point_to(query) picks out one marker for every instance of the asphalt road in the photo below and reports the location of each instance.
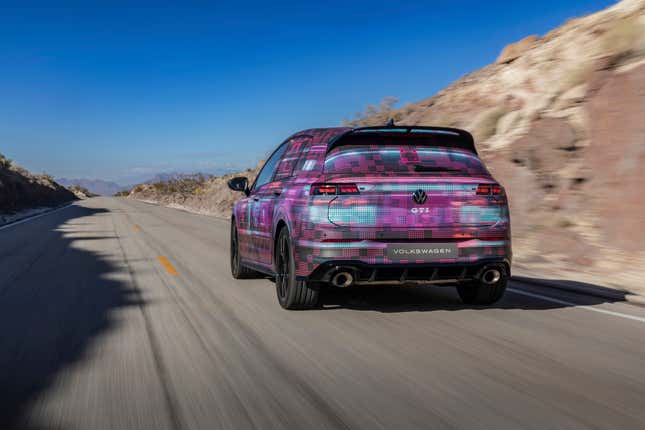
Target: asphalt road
(98, 332)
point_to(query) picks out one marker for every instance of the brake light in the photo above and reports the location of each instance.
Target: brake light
(483, 189)
(489, 189)
(333, 189)
(348, 189)
(323, 189)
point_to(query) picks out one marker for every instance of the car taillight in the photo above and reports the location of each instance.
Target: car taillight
(323, 189)
(347, 189)
(333, 189)
(489, 189)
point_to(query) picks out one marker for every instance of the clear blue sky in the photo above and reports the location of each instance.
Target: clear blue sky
(120, 93)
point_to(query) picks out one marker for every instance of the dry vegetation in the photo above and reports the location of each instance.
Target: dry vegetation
(19, 189)
(5, 163)
(206, 195)
(383, 112)
(185, 186)
(81, 192)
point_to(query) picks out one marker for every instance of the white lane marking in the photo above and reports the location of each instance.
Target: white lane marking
(583, 307)
(31, 218)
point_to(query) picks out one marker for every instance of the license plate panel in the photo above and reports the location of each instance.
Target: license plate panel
(422, 251)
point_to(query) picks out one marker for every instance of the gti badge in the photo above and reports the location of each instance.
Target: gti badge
(419, 196)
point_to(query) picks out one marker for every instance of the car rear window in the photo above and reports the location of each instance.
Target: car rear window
(391, 160)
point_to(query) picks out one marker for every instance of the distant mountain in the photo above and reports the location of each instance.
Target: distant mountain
(95, 186)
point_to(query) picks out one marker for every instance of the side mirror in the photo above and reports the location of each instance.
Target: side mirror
(239, 183)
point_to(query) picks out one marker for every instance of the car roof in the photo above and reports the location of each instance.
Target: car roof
(451, 137)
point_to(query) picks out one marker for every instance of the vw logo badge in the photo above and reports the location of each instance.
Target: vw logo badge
(419, 196)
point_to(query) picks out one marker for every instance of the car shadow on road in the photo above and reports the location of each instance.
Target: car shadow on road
(50, 317)
(393, 299)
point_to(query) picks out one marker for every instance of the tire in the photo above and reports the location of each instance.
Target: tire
(292, 293)
(238, 270)
(478, 293)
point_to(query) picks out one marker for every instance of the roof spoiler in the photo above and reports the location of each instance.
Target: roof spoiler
(436, 136)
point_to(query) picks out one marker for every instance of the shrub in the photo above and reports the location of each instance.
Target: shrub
(5, 163)
(82, 190)
(374, 115)
(185, 185)
(387, 103)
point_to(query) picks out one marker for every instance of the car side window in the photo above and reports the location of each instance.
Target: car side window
(294, 151)
(265, 175)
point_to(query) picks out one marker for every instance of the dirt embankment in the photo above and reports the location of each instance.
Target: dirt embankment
(21, 190)
(208, 196)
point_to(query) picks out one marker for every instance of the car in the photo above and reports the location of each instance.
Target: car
(384, 205)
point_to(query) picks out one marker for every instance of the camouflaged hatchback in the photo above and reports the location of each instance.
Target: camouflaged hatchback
(391, 205)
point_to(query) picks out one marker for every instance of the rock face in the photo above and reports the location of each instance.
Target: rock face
(616, 156)
(560, 121)
(515, 50)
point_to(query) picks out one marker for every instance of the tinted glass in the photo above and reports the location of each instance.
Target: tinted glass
(394, 160)
(287, 163)
(266, 173)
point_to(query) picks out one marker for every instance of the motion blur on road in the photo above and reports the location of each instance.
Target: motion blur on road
(121, 312)
(117, 314)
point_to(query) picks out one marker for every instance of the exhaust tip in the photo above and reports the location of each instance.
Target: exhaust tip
(491, 276)
(342, 279)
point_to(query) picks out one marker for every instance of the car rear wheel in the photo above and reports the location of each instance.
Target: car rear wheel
(292, 293)
(238, 270)
(480, 293)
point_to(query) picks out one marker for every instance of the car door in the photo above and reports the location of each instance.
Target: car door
(260, 209)
(269, 195)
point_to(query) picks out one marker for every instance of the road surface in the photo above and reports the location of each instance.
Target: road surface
(117, 314)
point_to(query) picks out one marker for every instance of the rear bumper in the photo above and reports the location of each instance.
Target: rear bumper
(314, 259)
(426, 273)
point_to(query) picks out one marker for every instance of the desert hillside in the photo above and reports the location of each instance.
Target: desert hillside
(560, 121)
(20, 190)
(195, 193)
(81, 192)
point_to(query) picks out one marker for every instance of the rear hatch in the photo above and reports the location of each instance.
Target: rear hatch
(401, 189)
